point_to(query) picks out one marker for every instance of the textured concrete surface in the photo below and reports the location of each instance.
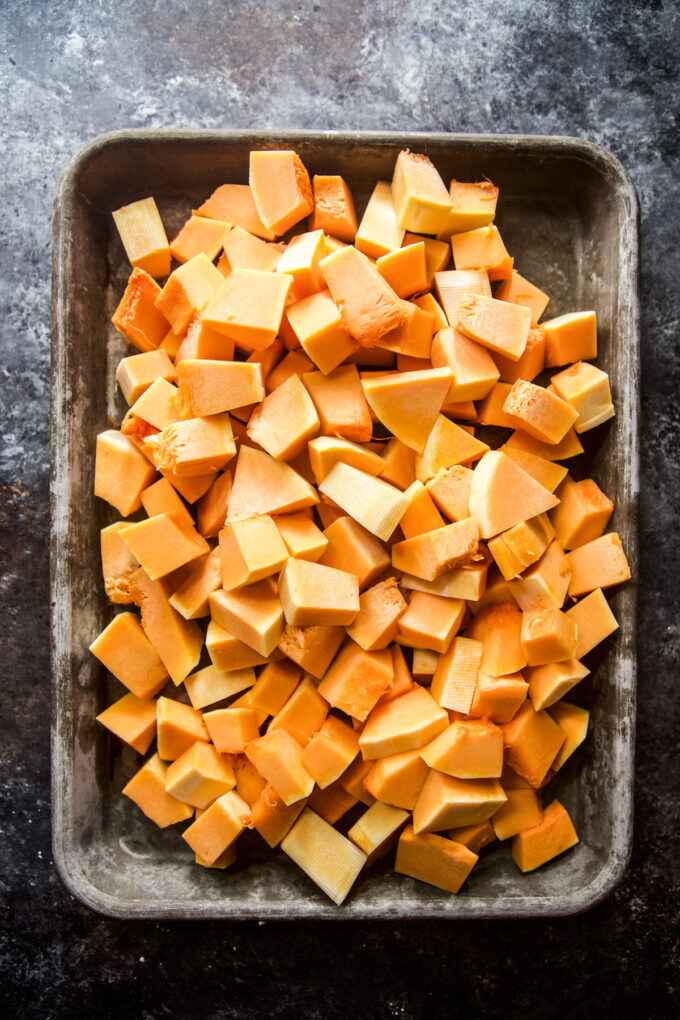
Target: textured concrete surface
(603, 70)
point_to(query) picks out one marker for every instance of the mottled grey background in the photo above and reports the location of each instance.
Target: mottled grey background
(603, 70)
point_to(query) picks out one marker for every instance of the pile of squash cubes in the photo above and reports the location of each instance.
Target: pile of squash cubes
(348, 603)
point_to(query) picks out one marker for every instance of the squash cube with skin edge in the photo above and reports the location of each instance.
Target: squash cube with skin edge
(432, 553)
(285, 420)
(326, 856)
(178, 727)
(143, 235)
(532, 741)
(121, 472)
(126, 651)
(473, 206)
(586, 390)
(377, 830)
(448, 444)
(248, 307)
(187, 290)
(597, 564)
(118, 564)
(434, 859)
(317, 323)
(446, 802)
(211, 387)
(135, 374)
(380, 608)
(594, 621)
(369, 307)
(498, 697)
(482, 249)
(219, 825)
(199, 234)
(539, 412)
(431, 621)
(398, 779)
(164, 543)
(263, 485)
(407, 403)
(498, 325)
(303, 714)
(330, 752)
(199, 776)
(406, 723)
(147, 790)
(211, 684)
(311, 648)
(333, 207)
(132, 719)
(278, 758)
(467, 749)
(280, 187)
(570, 338)
(177, 641)
(551, 681)
(137, 317)
(522, 810)
(502, 495)
(250, 550)
(231, 729)
(193, 447)
(573, 721)
(474, 370)
(553, 835)
(421, 200)
(253, 614)
(373, 503)
(455, 675)
(548, 636)
(312, 593)
(272, 818)
(378, 232)
(356, 680)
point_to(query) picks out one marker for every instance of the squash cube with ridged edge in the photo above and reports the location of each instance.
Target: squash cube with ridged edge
(143, 235)
(324, 854)
(377, 830)
(455, 675)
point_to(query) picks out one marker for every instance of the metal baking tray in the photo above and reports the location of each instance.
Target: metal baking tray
(568, 212)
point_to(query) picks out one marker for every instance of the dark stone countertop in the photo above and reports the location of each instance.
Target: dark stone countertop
(603, 70)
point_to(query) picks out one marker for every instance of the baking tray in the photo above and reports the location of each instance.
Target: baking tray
(568, 212)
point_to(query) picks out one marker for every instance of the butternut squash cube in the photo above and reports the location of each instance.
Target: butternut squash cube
(163, 543)
(227, 652)
(428, 304)
(143, 235)
(473, 206)
(455, 676)
(421, 515)
(234, 203)
(454, 286)
(517, 548)
(231, 729)
(499, 628)
(312, 648)
(594, 621)
(380, 607)
(193, 447)
(274, 685)
(530, 364)
(356, 679)
(583, 513)
(301, 537)
(210, 387)
(474, 371)
(431, 621)
(467, 749)
(135, 374)
(368, 305)
(546, 582)
(327, 857)
(545, 472)
(301, 261)
(333, 207)
(317, 324)
(161, 498)
(474, 837)
(263, 485)
(586, 390)
(303, 714)
(448, 444)
(421, 201)
(272, 818)
(550, 682)
(118, 564)
(570, 446)
(126, 651)
(519, 291)
(532, 741)
(407, 403)
(403, 724)
(498, 325)
(280, 188)
(199, 234)
(139, 320)
(211, 684)
(405, 269)
(326, 451)
(278, 758)
(199, 776)
(187, 290)
(548, 636)
(245, 251)
(248, 306)
(330, 751)
(178, 727)
(482, 249)
(315, 594)
(340, 403)
(285, 420)
(553, 835)
(190, 599)
(430, 554)
(190, 487)
(502, 495)
(399, 464)
(424, 665)
(597, 564)
(177, 641)
(570, 338)
(217, 828)
(445, 802)
(121, 472)
(204, 343)
(253, 614)
(498, 697)
(397, 780)
(412, 337)
(450, 491)
(573, 721)
(147, 790)
(434, 859)
(377, 830)
(539, 412)
(378, 232)
(250, 550)
(132, 719)
(373, 503)
(353, 781)
(522, 810)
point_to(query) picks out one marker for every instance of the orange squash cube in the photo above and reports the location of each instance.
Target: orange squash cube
(570, 338)
(137, 317)
(553, 835)
(398, 779)
(583, 513)
(380, 607)
(369, 307)
(178, 727)
(448, 444)
(550, 682)
(597, 564)
(498, 697)
(532, 741)
(199, 776)
(303, 713)
(573, 721)
(280, 187)
(330, 751)
(211, 684)
(234, 203)
(340, 403)
(253, 614)
(333, 207)
(147, 790)
(227, 652)
(248, 307)
(585, 389)
(445, 802)
(548, 636)
(126, 651)
(473, 206)
(243, 250)
(455, 675)
(164, 543)
(272, 818)
(403, 724)
(431, 621)
(502, 495)
(317, 324)
(594, 621)
(250, 550)
(315, 594)
(434, 859)
(467, 749)
(519, 291)
(428, 555)
(356, 680)
(378, 232)
(522, 810)
(132, 719)
(217, 828)
(135, 374)
(193, 447)
(312, 648)
(231, 729)
(278, 758)
(482, 249)
(121, 472)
